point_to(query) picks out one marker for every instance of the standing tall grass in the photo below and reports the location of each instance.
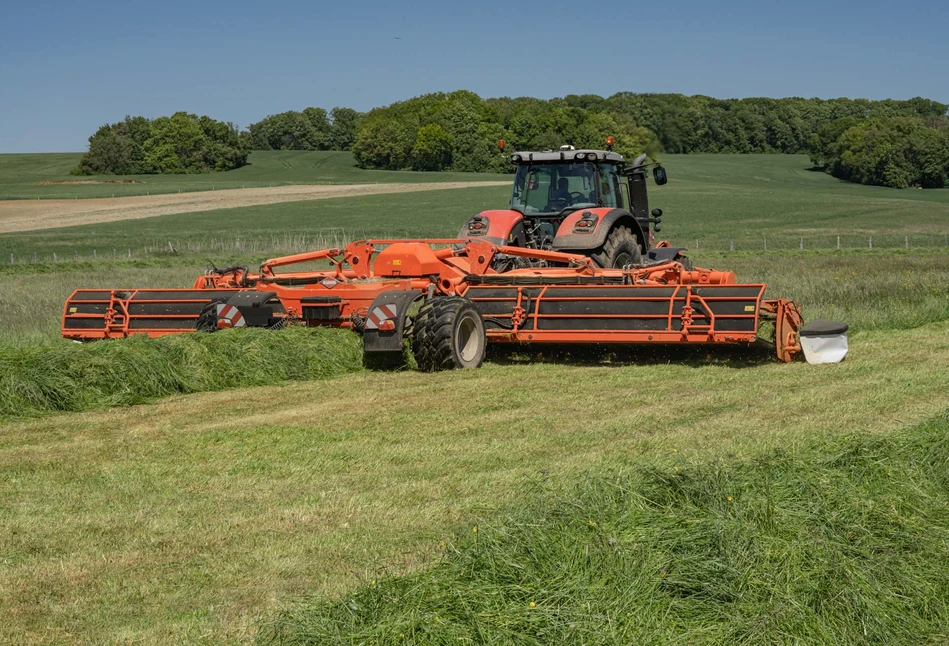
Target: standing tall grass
(845, 541)
(66, 376)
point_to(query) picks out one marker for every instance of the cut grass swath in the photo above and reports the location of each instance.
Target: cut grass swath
(69, 377)
(843, 541)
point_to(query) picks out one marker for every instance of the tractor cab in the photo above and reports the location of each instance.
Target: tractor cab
(548, 185)
(550, 189)
(587, 201)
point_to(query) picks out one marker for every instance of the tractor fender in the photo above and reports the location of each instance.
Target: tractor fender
(392, 306)
(607, 219)
(503, 227)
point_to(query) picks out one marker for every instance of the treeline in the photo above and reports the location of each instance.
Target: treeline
(899, 152)
(457, 131)
(181, 143)
(701, 124)
(312, 129)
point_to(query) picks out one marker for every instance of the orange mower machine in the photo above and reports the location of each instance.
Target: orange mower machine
(447, 298)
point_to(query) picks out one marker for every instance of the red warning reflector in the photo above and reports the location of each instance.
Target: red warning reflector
(380, 316)
(229, 316)
(387, 325)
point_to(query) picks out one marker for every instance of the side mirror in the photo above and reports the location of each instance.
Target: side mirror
(659, 174)
(657, 213)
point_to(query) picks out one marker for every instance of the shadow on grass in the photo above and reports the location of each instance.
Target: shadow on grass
(625, 355)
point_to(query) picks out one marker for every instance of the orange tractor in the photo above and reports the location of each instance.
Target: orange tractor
(560, 267)
(587, 202)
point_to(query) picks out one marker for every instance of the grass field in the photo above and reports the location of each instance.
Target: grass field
(713, 200)
(195, 518)
(680, 552)
(46, 175)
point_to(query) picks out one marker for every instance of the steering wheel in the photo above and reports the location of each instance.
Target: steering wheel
(577, 196)
(556, 202)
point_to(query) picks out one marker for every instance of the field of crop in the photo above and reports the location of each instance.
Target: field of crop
(46, 176)
(345, 509)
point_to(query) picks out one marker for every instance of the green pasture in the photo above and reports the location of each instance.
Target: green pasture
(712, 202)
(27, 176)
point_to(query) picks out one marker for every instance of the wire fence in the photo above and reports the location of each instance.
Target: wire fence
(291, 244)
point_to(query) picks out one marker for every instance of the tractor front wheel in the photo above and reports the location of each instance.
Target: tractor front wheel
(449, 334)
(620, 249)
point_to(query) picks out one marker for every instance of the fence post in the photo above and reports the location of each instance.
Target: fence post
(130, 253)
(95, 256)
(802, 243)
(871, 242)
(765, 244)
(113, 254)
(54, 256)
(75, 255)
(731, 245)
(907, 242)
(838, 243)
(11, 258)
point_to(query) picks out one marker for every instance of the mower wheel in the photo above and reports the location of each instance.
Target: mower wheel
(449, 334)
(620, 249)
(207, 320)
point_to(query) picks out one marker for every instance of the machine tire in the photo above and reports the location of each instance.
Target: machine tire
(449, 334)
(621, 248)
(207, 320)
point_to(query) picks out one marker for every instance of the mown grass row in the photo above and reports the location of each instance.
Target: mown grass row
(71, 377)
(841, 541)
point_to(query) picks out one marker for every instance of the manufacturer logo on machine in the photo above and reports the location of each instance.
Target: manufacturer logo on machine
(329, 283)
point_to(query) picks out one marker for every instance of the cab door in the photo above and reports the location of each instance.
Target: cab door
(614, 188)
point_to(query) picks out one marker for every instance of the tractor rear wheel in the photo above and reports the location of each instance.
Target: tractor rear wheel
(620, 249)
(449, 334)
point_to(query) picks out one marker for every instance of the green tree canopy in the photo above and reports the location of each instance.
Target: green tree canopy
(181, 143)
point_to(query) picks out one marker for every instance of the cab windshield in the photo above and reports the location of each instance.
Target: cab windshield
(549, 189)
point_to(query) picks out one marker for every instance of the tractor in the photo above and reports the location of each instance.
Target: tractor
(588, 202)
(571, 262)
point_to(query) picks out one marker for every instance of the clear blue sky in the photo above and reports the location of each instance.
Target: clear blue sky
(68, 67)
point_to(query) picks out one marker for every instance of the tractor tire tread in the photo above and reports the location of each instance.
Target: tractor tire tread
(620, 240)
(433, 342)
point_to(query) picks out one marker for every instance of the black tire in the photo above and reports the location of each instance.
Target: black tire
(620, 249)
(207, 320)
(449, 334)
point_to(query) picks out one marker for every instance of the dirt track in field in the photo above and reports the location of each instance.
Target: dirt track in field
(30, 215)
